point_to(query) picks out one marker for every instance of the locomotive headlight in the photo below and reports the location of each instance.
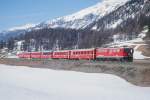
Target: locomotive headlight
(131, 52)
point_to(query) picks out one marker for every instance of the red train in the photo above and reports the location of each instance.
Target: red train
(122, 54)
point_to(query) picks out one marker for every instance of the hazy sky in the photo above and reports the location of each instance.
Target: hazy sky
(20, 12)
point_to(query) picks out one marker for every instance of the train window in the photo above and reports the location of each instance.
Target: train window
(100, 50)
(79, 52)
(88, 52)
(82, 52)
(113, 50)
(110, 50)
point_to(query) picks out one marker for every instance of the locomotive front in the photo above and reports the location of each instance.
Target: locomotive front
(128, 54)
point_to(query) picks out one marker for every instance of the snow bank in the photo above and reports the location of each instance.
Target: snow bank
(138, 55)
(23, 83)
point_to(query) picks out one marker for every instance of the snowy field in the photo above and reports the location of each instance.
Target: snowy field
(23, 83)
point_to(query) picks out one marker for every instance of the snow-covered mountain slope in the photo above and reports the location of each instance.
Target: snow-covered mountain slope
(123, 16)
(23, 27)
(86, 16)
(14, 31)
(77, 20)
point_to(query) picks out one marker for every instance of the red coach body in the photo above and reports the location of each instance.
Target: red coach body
(46, 55)
(88, 54)
(20, 55)
(26, 55)
(36, 55)
(63, 54)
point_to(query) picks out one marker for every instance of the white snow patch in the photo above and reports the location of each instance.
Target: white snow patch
(27, 26)
(138, 55)
(94, 28)
(115, 24)
(12, 56)
(121, 40)
(23, 83)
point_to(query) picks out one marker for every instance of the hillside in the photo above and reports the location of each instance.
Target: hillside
(95, 26)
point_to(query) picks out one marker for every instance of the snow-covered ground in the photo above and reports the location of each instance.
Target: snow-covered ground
(23, 83)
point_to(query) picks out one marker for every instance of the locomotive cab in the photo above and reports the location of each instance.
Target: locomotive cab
(128, 54)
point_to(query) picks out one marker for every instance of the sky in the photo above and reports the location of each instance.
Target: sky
(19, 12)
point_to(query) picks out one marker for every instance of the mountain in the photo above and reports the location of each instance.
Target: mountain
(15, 31)
(79, 20)
(86, 16)
(96, 26)
(128, 15)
